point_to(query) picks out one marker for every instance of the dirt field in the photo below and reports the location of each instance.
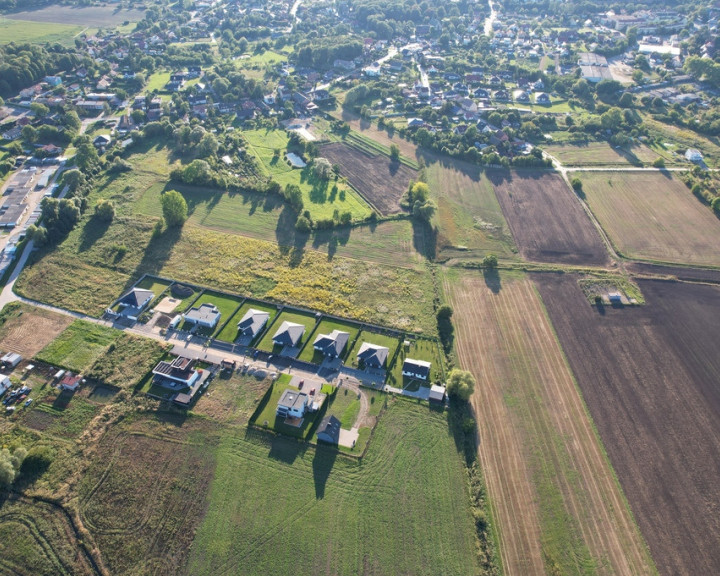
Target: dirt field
(653, 216)
(86, 16)
(380, 182)
(31, 331)
(649, 376)
(681, 273)
(557, 507)
(407, 149)
(547, 221)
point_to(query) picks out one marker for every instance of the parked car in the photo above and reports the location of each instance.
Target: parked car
(28, 402)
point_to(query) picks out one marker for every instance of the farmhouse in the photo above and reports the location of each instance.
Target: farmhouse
(372, 355)
(206, 315)
(253, 322)
(70, 382)
(329, 430)
(179, 372)
(332, 344)
(134, 302)
(292, 404)
(416, 369)
(289, 334)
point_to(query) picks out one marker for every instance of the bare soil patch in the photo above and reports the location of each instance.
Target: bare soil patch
(557, 506)
(650, 378)
(31, 329)
(546, 220)
(379, 181)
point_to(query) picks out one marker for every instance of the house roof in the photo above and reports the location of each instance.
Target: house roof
(419, 367)
(292, 399)
(206, 313)
(329, 430)
(373, 354)
(333, 343)
(437, 393)
(289, 334)
(137, 297)
(180, 369)
(70, 380)
(253, 321)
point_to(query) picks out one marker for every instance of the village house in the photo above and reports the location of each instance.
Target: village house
(180, 372)
(206, 315)
(372, 355)
(292, 404)
(416, 369)
(253, 322)
(132, 304)
(289, 334)
(333, 344)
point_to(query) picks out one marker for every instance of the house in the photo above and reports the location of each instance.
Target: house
(70, 382)
(253, 322)
(415, 122)
(333, 344)
(206, 315)
(179, 372)
(133, 303)
(437, 393)
(372, 355)
(289, 334)
(542, 98)
(51, 150)
(416, 369)
(102, 141)
(329, 430)
(693, 155)
(11, 359)
(292, 404)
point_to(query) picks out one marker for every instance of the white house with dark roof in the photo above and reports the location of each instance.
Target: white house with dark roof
(372, 355)
(180, 372)
(134, 302)
(289, 334)
(206, 315)
(416, 369)
(252, 322)
(292, 404)
(332, 344)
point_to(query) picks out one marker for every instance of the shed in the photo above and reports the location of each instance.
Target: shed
(11, 359)
(4, 384)
(437, 393)
(615, 297)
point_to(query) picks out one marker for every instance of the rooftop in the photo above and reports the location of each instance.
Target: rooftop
(204, 314)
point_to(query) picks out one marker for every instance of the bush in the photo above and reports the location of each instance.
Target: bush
(104, 210)
(38, 460)
(490, 262)
(119, 165)
(461, 384)
(446, 330)
(303, 224)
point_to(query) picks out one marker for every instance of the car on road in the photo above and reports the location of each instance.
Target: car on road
(188, 338)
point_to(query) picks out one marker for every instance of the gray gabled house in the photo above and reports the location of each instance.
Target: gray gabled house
(372, 355)
(329, 430)
(289, 334)
(134, 302)
(416, 369)
(332, 344)
(252, 322)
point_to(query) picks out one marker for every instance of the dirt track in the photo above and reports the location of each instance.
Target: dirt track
(547, 222)
(650, 378)
(556, 504)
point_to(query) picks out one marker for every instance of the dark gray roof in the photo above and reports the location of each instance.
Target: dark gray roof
(206, 313)
(292, 399)
(137, 297)
(289, 334)
(373, 355)
(329, 430)
(333, 343)
(253, 321)
(419, 367)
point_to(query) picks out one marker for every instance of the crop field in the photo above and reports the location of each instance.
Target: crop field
(306, 319)
(601, 154)
(20, 31)
(36, 539)
(27, 330)
(79, 345)
(327, 325)
(127, 361)
(104, 16)
(649, 376)
(338, 516)
(317, 195)
(547, 221)
(557, 506)
(653, 216)
(469, 216)
(230, 331)
(146, 490)
(380, 181)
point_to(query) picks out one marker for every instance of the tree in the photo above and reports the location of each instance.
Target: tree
(659, 162)
(715, 205)
(445, 326)
(576, 184)
(174, 207)
(207, 146)
(293, 195)
(104, 210)
(40, 110)
(490, 262)
(461, 384)
(29, 134)
(612, 119)
(74, 180)
(86, 157)
(197, 172)
(322, 168)
(394, 152)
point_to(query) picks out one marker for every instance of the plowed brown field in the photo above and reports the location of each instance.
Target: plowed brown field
(650, 378)
(557, 506)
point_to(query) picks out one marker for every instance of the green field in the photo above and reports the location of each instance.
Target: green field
(127, 361)
(426, 350)
(20, 31)
(396, 513)
(602, 154)
(79, 345)
(316, 194)
(225, 303)
(64, 418)
(157, 81)
(230, 331)
(390, 342)
(309, 354)
(306, 319)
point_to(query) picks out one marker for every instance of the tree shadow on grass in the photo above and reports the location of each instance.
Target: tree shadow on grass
(332, 238)
(93, 230)
(322, 465)
(424, 238)
(285, 450)
(156, 255)
(492, 279)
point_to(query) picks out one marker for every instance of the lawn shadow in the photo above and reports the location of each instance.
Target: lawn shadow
(93, 230)
(156, 255)
(492, 279)
(62, 401)
(322, 465)
(424, 238)
(333, 238)
(285, 450)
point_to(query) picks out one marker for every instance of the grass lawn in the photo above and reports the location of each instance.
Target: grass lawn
(333, 515)
(426, 350)
(230, 331)
(225, 303)
(79, 345)
(390, 342)
(20, 31)
(157, 81)
(306, 319)
(327, 325)
(268, 418)
(155, 285)
(127, 361)
(317, 196)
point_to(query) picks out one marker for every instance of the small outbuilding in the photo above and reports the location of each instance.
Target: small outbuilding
(11, 359)
(70, 382)
(437, 394)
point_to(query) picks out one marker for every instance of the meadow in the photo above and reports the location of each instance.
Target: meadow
(602, 154)
(314, 508)
(20, 31)
(127, 361)
(79, 345)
